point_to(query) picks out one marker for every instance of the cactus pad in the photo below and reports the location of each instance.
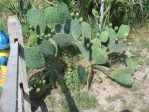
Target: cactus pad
(63, 39)
(34, 57)
(86, 30)
(104, 36)
(123, 31)
(82, 74)
(117, 48)
(75, 28)
(36, 18)
(48, 48)
(99, 56)
(123, 76)
(57, 14)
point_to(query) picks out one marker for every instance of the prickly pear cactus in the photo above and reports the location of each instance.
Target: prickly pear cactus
(63, 39)
(25, 27)
(36, 18)
(133, 62)
(82, 74)
(123, 31)
(83, 50)
(123, 76)
(117, 48)
(48, 48)
(112, 35)
(34, 57)
(41, 82)
(99, 56)
(75, 28)
(32, 41)
(104, 36)
(86, 30)
(58, 14)
(96, 43)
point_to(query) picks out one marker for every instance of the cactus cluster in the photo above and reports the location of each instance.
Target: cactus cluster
(38, 40)
(94, 49)
(116, 40)
(35, 56)
(87, 44)
(50, 16)
(36, 19)
(53, 28)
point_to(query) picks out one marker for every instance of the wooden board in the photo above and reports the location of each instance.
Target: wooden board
(8, 101)
(15, 33)
(20, 101)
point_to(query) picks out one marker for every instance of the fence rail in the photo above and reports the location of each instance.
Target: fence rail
(15, 95)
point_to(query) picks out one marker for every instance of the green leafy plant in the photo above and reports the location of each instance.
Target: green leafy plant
(72, 79)
(53, 30)
(2, 26)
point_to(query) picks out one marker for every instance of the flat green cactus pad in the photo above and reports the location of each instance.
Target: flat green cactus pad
(123, 76)
(34, 57)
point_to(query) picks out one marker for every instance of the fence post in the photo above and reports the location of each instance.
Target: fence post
(15, 96)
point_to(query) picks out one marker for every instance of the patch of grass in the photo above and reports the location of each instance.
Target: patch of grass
(135, 86)
(146, 61)
(144, 43)
(1, 89)
(139, 95)
(144, 110)
(56, 104)
(104, 88)
(111, 108)
(137, 53)
(145, 77)
(85, 101)
(50, 102)
(116, 97)
(64, 106)
(98, 80)
(72, 79)
(102, 110)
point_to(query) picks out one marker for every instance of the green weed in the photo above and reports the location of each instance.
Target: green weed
(144, 43)
(139, 95)
(116, 97)
(64, 106)
(147, 61)
(135, 87)
(144, 110)
(72, 79)
(85, 101)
